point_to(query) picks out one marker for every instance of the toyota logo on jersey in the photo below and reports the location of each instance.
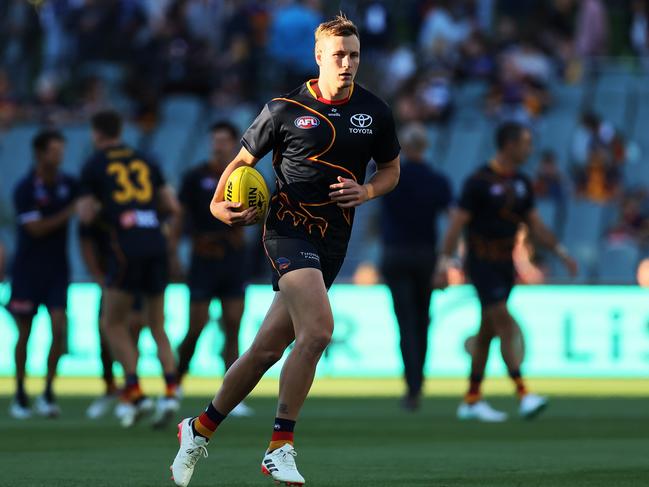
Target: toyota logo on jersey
(361, 120)
(306, 122)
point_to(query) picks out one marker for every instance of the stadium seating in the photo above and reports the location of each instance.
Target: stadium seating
(581, 235)
(617, 263)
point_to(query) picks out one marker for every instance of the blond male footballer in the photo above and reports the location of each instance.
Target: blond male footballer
(322, 136)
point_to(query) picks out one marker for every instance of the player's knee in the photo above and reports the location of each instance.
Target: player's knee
(265, 357)
(484, 337)
(314, 343)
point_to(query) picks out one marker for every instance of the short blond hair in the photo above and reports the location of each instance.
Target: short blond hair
(340, 25)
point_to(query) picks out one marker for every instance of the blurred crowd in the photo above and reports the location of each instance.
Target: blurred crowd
(80, 54)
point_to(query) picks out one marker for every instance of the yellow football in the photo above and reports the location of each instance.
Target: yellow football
(247, 186)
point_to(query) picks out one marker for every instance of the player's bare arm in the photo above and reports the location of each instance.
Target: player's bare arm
(170, 207)
(87, 208)
(227, 211)
(89, 255)
(45, 226)
(459, 219)
(545, 237)
(347, 193)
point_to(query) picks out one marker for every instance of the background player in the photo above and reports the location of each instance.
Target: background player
(94, 242)
(44, 201)
(218, 255)
(129, 190)
(323, 134)
(495, 201)
(409, 252)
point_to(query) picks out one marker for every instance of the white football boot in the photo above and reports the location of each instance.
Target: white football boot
(532, 405)
(46, 409)
(17, 411)
(165, 410)
(280, 465)
(192, 447)
(130, 413)
(100, 406)
(241, 410)
(480, 411)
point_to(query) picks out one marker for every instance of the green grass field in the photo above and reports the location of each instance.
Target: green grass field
(584, 439)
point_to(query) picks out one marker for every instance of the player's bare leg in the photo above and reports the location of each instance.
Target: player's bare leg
(46, 404)
(136, 323)
(272, 339)
(473, 406)
(115, 321)
(232, 312)
(274, 336)
(105, 403)
(168, 404)
(306, 298)
(511, 342)
(20, 406)
(154, 312)
(506, 328)
(480, 354)
(198, 316)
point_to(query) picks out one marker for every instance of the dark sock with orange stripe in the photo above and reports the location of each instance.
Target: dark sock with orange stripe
(282, 434)
(521, 390)
(132, 391)
(473, 395)
(205, 425)
(172, 384)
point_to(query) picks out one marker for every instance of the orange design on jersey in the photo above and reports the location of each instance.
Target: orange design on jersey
(302, 216)
(305, 217)
(316, 158)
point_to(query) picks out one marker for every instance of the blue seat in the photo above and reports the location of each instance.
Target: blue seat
(583, 229)
(182, 110)
(618, 262)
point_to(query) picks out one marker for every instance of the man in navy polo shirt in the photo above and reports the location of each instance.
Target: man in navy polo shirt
(44, 201)
(409, 252)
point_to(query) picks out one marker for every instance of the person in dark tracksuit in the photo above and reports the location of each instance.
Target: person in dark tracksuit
(409, 236)
(44, 201)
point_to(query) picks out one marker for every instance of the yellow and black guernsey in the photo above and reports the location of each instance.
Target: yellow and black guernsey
(126, 183)
(314, 141)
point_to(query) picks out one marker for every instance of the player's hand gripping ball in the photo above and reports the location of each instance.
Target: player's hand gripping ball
(248, 187)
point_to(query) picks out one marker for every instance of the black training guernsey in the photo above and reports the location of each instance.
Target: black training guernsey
(126, 182)
(211, 237)
(498, 204)
(314, 141)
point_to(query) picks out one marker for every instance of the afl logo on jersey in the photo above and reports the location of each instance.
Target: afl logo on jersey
(306, 122)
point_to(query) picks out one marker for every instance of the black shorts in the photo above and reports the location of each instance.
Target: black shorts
(492, 280)
(28, 291)
(217, 278)
(288, 254)
(146, 276)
